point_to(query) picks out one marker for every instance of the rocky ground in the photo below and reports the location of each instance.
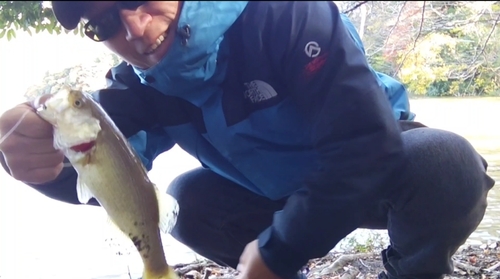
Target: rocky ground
(471, 261)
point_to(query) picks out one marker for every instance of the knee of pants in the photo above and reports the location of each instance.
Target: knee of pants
(202, 198)
(182, 188)
(178, 188)
(445, 170)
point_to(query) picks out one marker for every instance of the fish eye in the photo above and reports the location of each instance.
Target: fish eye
(77, 103)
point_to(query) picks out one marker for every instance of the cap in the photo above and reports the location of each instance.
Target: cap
(68, 13)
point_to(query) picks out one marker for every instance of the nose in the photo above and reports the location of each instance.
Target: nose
(135, 23)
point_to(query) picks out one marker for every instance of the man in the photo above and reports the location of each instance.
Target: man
(298, 136)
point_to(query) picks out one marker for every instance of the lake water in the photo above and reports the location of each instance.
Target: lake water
(46, 239)
(477, 119)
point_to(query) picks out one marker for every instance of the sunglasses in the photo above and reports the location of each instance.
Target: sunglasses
(109, 23)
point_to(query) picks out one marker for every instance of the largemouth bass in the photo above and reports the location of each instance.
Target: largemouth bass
(110, 171)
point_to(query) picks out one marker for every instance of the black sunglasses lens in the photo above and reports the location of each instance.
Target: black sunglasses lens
(103, 28)
(109, 24)
(91, 33)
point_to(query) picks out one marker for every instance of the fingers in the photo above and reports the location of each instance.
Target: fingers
(28, 147)
(36, 168)
(41, 175)
(31, 126)
(35, 161)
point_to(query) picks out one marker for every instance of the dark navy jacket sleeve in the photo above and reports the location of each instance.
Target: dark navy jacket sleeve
(354, 133)
(126, 102)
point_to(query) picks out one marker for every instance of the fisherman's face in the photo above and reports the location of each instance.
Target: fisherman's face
(137, 29)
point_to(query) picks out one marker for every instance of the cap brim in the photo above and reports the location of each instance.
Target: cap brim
(68, 13)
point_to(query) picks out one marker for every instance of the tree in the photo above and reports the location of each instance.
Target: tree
(436, 48)
(29, 16)
(88, 77)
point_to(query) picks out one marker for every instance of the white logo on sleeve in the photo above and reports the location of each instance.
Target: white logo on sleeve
(258, 91)
(312, 49)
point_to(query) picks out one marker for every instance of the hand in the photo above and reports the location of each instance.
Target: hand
(252, 266)
(29, 151)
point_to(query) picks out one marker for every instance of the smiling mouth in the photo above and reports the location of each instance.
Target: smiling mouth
(157, 43)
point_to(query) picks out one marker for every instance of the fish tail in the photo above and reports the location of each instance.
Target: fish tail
(167, 273)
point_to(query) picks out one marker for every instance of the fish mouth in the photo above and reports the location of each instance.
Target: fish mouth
(48, 106)
(42, 111)
(41, 108)
(39, 104)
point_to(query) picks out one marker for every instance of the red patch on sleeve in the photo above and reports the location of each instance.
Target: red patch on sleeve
(315, 65)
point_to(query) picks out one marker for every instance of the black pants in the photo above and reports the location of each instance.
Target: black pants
(443, 203)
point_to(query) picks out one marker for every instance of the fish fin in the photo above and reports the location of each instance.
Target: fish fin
(167, 273)
(168, 209)
(83, 192)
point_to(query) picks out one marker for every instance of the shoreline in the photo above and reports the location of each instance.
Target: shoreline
(470, 261)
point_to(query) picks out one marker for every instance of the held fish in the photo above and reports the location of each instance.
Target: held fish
(111, 172)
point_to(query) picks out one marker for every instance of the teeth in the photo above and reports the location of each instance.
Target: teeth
(156, 44)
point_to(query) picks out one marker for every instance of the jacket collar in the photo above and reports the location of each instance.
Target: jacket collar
(193, 54)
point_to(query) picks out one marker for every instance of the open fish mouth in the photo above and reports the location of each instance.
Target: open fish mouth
(51, 107)
(41, 108)
(38, 104)
(75, 127)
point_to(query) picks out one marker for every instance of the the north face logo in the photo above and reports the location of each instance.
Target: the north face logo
(258, 91)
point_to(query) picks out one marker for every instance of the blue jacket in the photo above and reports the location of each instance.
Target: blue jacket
(277, 97)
